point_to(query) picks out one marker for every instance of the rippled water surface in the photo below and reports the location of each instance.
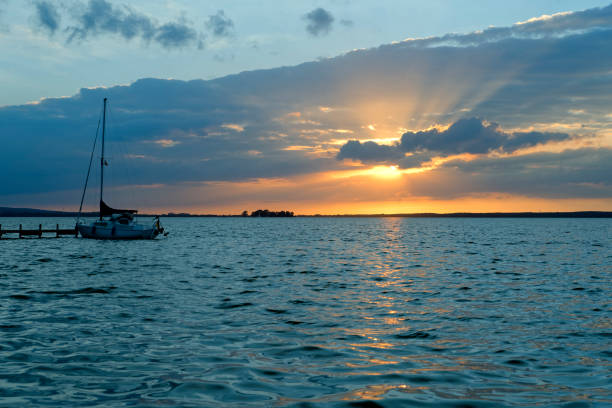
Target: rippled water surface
(312, 312)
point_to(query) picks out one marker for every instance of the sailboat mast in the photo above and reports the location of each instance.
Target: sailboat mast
(102, 156)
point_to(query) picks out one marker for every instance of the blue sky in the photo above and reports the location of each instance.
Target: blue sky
(361, 107)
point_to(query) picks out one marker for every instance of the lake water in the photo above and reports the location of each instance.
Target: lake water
(312, 312)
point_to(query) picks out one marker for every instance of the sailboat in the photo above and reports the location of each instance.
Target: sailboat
(113, 223)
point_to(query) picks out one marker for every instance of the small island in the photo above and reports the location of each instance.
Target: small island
(268, 213)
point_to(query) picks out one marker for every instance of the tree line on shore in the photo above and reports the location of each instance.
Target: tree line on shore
(267, 213)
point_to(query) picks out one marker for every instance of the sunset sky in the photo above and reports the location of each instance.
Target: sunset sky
(322, 107)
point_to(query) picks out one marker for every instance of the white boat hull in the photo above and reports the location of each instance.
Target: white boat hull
(114, 230)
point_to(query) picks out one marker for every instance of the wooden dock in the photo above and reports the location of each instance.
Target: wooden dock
(39, 232)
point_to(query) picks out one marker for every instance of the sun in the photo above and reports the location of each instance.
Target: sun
(385, 172)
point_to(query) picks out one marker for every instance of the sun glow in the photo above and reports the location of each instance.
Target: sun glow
(380, 172)
(385, 172)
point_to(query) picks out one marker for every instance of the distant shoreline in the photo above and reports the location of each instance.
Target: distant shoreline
(575, 214)
(36, 213)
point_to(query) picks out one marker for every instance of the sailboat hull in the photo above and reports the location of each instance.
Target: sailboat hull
(116, 231)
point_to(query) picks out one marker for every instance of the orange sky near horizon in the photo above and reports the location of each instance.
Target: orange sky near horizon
(484, 204)
(469, 205)
(356, 189)
(371, 190)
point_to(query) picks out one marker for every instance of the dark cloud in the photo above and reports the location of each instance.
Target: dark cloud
(470, 135)
(100, 17)
(464, 136)
(369, 152)
(174, 35)
(319, 22)
(413, 160)
(47, 16)
(220, 25)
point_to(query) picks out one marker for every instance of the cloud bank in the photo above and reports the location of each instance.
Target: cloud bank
(546, 26)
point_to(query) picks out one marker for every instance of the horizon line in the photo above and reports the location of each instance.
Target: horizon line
(33, 212)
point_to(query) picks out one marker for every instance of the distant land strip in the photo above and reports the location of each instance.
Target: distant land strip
(32, 212)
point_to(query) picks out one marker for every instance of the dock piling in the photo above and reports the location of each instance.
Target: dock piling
(39, 232)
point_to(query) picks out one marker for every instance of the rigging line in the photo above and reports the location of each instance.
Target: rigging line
(88, 170)
(118, 152)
